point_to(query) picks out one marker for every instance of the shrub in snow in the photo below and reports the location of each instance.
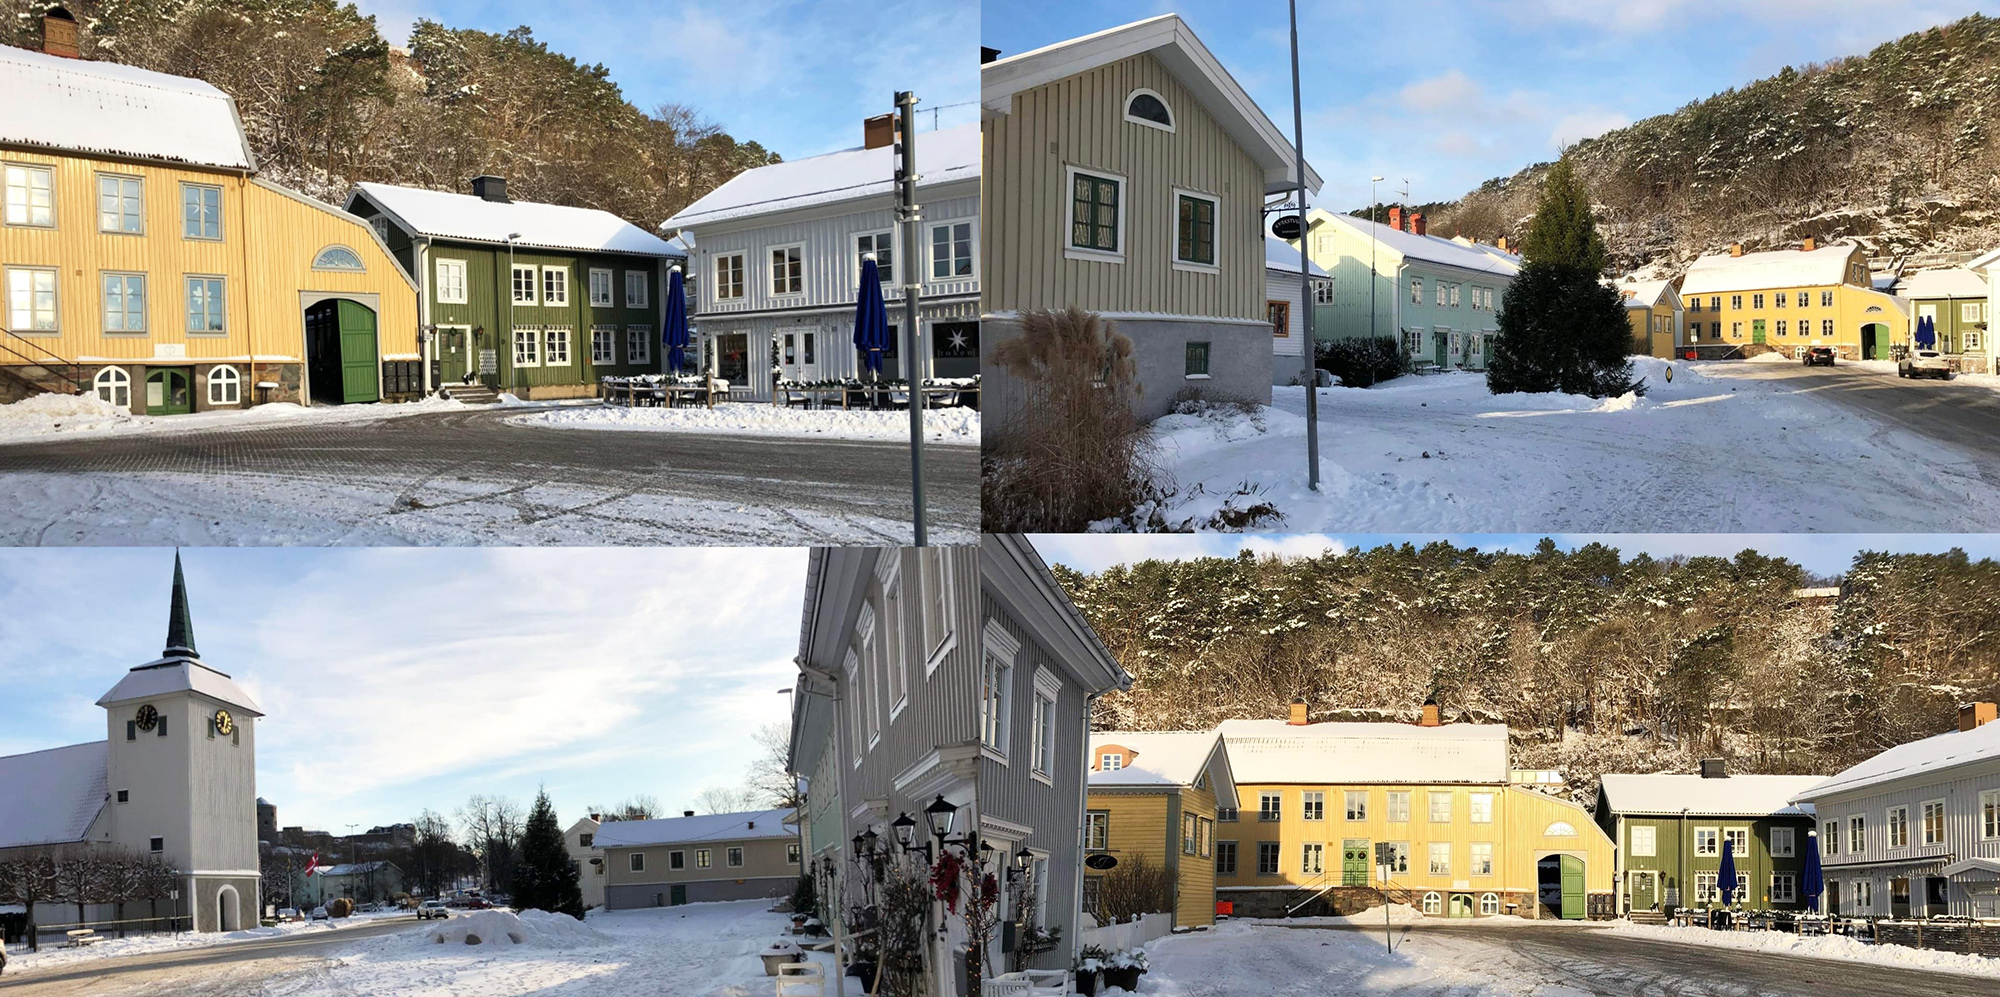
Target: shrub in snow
(1361, 361)
(340, 907)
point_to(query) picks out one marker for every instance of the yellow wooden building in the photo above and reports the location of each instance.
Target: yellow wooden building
(1788, 300)
(1315, 802)
(1151, 800)
(143, 259)
(1653, 309)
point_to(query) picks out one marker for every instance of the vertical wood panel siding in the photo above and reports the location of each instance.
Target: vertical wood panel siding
(1961, 836)
(943, 704)
(1080, 121)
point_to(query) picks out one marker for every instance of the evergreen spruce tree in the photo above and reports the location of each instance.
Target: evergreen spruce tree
(1561, 328)
(546, 878)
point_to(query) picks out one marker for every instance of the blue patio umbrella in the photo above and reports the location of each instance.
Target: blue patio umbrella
(676, 334)
(871, 316)
(1726, 876)
(1927, 332)
(1812, 882)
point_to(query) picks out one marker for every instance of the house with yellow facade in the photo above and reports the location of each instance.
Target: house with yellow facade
(144, 261)
(1653, 308)
(1151, 804)
(1336, 817)
(1740, 304)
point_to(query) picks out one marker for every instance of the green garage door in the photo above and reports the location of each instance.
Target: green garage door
(360, 364)
(1572, 887)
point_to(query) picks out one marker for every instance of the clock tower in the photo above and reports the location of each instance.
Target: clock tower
(181, 767)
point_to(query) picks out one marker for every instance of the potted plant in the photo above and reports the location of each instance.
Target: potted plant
(777, 954)
(1090, 965)
(1124, 968)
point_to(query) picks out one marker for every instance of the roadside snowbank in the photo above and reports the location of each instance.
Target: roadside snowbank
(47, 415)
(20, 960)
(1819, 947)
(946, 425)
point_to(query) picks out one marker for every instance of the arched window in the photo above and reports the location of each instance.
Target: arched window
(1560, 829)
(115, 386)
(1433, 903)
(225, 386)
(1144, 107)
(338, 258)
(1489, 903)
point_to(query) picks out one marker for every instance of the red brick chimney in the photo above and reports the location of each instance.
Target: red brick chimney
(59, 33)
(878, 131)
(1736, 249)
(1417, 225)
(1396, 217)
(1808, 246)
(1502, 243)
(1298, 712)
(1430, 717)
(1972, 716)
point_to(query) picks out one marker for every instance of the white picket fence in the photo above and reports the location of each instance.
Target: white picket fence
(1130, 935)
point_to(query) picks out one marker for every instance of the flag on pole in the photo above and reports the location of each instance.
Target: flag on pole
(312, 864)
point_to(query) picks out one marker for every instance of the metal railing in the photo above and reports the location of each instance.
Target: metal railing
(75, 376)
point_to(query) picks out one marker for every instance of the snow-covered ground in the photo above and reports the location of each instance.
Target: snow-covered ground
(945, 425)
(45, 416)
(1714, 450)
(1820, 947)
(52, 956)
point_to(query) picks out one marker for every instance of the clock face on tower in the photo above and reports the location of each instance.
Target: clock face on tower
(147, 718)
(224, 723)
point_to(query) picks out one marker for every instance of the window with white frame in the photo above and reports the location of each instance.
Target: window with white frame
(524, 285)
(31, 196)
(1644, 838)
(555, 285)
(1356, 804)
(788, 270)
(729, 277)
(1096, 213)
(1704, 888)
(1736, 302)
(996, 700)
(1784, 842)
(1433, 903)
(31, 300)
(1784, 888)
(1989, 815)
(1322, 292)
(1399, 858)
(603, 344)
(936, 566)
(1312, 858)
(1481, 859)
(1707, 841)
(1829, 838)
(638, 344)
(204, 305)
(1440, 853)
(638, 289)
(1443, 291)
(1454, 295)
(113, 385)
(636, 862)
(1480, 808)
(201, 212)
(1972, 340)
(1826, 327)
(791, 854)
(1398, 806)
(527, 346)
(1864, 896)
(893, 656)
(871, 664)
(556, 341)
(225, 385)
(951, 250)
(1896, 827)
(1190, 834)
(120, 204)
(1559, 829)
(1826, 299)
(1416, 290)
(857, 724)
(1933, 822)
(1489, 903)
(1739, 841)
(600, 289)
(124, 302)
(701, 858)
(451, 281)
(1312, 805)
(1756, 301)
(883, 245)
(1147, 107)
(1097, 830)
(1780, 299)
(1042, 758)
(1857, 834)
(1270, 806)
(1110, 761)
(1194, 227)
(734, 856)
(1440, 807)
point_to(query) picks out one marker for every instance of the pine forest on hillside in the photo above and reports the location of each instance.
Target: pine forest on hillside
(1897, 148)
(1598, 662)
(327, 102)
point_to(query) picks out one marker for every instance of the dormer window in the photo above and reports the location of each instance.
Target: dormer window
(1144, 107)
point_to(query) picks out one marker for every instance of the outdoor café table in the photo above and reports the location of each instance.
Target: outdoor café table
(675, 392)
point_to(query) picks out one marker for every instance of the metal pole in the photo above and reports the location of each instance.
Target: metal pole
(908, 215)
(1374, 278)
(1305, 265)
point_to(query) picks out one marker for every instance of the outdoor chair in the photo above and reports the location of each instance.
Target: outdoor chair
(799, 397)
(797, 979)
(1027, 983)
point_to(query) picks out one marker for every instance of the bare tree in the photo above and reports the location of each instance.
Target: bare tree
(724, 800)
(492, 828)
(771, 784)
(639, 806)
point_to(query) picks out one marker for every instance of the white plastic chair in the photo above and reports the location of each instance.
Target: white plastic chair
(796, 979)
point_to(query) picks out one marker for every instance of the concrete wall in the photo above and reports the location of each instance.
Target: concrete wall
(1239, 364)
(698, 891)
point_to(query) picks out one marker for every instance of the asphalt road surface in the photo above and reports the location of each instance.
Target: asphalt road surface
(227, 970)
(1616, 964)
(1957, 412)
(809, 487)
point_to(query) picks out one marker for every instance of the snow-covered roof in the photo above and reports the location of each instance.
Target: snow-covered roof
(445, 215)
(53, 794)
(1430, 248)
(690, 830)
(1723, 273)
(105, 108)
(943, 156)
(1163, 759)
(1950, 282)
(1644, 293)
(1732, 796)
(1273, 751)
(1981, 262)
(178, 675)
(1282, 255)
(1175, 46)
(1929, 759)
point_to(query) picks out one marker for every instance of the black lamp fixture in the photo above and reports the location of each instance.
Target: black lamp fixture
(1024, 858)
(905, 828)
(941, 816)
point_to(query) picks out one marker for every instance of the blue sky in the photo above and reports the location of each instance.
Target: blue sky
(795, 75)
(397, 679)
(1450, 93)
(1820, 553)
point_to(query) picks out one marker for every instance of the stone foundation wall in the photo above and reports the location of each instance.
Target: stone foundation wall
(1965, 939)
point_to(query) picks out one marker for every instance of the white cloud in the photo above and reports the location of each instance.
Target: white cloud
(1453, 90)
(1572, 128)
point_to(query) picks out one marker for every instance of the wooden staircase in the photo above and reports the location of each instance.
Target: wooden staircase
(471, 394)
(1646, 917)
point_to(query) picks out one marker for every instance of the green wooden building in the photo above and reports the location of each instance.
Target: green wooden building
(1955, 298)
(1670, 831)
(535, 300)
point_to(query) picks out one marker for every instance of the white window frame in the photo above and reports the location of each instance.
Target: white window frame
(1784, 842)
(638, 344)
(871, 666)
(109, 383)
(939, 633)
(226, 389)
(732, 857)
(1857, 834)
(857, 720)
(875, 240)
(32, 327)
(1489, 903)
(140, 198)
(1705, 884)
(186, 188)
(557, 292)
(1924, 810)
(1476, 812)
(1475, 864)
(770, 254)
(1439, 858)
(1312, 805)
(1740, 837)
(1784, 888)
(1829, 837)
(997, 658)
(533, 356)
(533, 274)
(703, 858)
(1125, 110)
(1096, 830)
(1110, 761)
(218, 302)
(1431, 806)
(603, 344)
(636, 862)
(1643, 845)
(1397, 801)
(1270, 807)
(643, 284)
(125, 278)
(895, 657)
(1989, 815)
(1312, 858)
(1348, 800)
(737, 286)
(930, 250)
(1041, 757)
(26, 205)
(552, 337)
(1174, 231)
(1073, 252)
(1707, 841)
(451, 286)
(604, 299)
(1896, 827)
(1433, 902)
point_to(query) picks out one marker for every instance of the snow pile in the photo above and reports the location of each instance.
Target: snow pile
(42, 415)
(496, 928)
(1371, 917)
(1820, 947)
(559, 930)
(45, 415)
(945, 425)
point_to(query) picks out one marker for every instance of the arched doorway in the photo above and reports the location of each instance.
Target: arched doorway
(168, 391)
(228, 910)
(342, 361)
(1559, 885)
(1874, 341)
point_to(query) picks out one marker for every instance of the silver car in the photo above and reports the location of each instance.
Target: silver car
(1924, 363)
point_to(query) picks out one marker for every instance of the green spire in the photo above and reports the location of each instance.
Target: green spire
(180, 623)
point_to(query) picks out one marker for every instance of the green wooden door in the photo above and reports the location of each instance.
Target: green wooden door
(452, 355)
(1354, 862)
(360, 364)
(1757, 331)
(1645, 894)
(677, 895)
(167, 392)
(1461, 905)
(1572, 888)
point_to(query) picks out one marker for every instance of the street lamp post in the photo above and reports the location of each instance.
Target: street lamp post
(1305, 266)
(1374, 278)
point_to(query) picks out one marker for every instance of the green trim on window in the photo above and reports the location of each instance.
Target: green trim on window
(1197, 359)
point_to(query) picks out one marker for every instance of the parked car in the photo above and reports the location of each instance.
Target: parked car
(1924, 363)
(320, 914)
(432, 909)
(1820, 356)
(290, 914)
(477, 903)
